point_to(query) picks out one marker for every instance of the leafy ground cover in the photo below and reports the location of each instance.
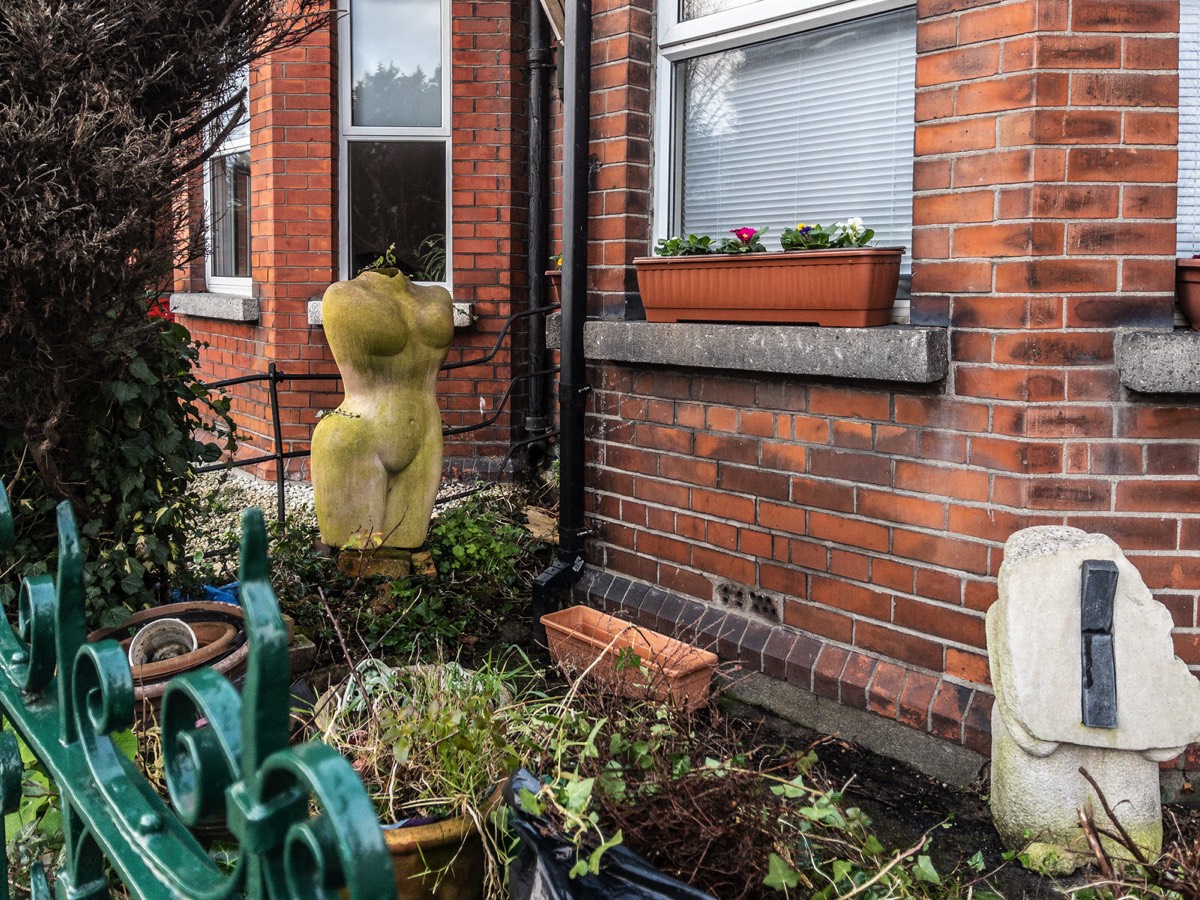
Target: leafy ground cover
(756, 807)
(484, 556)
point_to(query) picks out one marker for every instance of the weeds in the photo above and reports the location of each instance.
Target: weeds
(1175, 874)
(485, 562)
(431, 741)
(699, 797)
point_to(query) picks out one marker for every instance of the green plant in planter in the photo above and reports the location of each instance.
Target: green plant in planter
(430, 742)
(691, 245)
(839, 236)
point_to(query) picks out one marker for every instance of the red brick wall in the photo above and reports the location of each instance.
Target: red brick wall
(490, 195)
(294, 150)
(1043, 220)
(293, 147)
(619, 153)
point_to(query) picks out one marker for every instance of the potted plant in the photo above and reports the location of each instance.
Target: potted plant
(554, 276)
(1187, 288)
(825, 276)
(432, 745)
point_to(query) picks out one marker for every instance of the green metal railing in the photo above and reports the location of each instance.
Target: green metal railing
(301, 818)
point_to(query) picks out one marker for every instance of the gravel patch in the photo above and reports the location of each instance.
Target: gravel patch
(223, 496)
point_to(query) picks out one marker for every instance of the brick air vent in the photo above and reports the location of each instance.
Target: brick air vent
(747, 600)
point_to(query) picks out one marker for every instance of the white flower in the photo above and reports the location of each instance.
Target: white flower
(852, 226)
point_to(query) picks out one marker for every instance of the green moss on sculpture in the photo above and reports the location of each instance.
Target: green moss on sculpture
(377, 459)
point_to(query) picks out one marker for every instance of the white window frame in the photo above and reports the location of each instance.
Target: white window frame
(681, 40)
(235, 143)
(349, 133)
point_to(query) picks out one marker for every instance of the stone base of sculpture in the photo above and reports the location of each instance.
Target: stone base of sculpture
(390, 562)
(1035, 801)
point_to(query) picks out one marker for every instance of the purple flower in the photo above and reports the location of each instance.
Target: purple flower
(743, 234)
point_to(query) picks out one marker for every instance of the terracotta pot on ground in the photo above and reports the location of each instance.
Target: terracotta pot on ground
(220, 632)
(554, 280)
(582, 639)
(848, 288)
(1187, 289)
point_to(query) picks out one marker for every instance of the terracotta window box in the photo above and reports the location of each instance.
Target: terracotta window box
(847, 288)
(585, 641)
(1187, 289)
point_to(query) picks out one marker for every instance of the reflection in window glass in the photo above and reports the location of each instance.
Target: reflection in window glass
(398, 196)
(229, 212)
(396, 63)
(694, 9)
(817, 126)
(240, 135)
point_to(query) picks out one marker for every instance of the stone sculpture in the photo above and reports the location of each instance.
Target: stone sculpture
(1050, 670)
(377, 458)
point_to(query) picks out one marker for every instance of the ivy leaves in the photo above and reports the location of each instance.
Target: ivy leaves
(131, 470)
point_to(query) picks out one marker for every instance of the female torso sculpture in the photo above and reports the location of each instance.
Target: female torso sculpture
(377, 458)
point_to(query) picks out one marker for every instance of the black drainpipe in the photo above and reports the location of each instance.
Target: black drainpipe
(537, 421)
(572, 389)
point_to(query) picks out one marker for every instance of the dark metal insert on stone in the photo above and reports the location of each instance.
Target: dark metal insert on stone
(1097, 590)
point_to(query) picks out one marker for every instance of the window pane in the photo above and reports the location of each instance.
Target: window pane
(398, 196)
(1188, 238)
(396, 62)
(694, 9)
(814, 127)
(229, 216)
(240, 135)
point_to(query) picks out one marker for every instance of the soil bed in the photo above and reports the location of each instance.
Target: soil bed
(904, 804)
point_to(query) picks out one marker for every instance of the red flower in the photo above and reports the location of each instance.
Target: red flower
(743, 234)
(160, 308)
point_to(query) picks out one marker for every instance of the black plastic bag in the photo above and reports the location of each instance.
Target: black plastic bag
(541, 870)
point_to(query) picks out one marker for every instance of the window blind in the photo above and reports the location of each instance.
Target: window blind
(814, 127)
(1188, 214)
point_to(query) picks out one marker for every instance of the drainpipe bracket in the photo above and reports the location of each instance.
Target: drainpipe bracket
(558, 577)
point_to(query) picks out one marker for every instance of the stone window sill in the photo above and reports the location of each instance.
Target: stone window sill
(900, 353)
(215, 306)
(464, 314)
(1159, 362)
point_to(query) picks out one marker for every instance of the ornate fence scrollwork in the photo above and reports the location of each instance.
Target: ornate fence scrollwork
(301, 818)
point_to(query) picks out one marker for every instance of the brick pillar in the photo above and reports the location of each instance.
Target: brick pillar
(293, 146)
(1043, 219)
(619, 201)
(490, 212)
